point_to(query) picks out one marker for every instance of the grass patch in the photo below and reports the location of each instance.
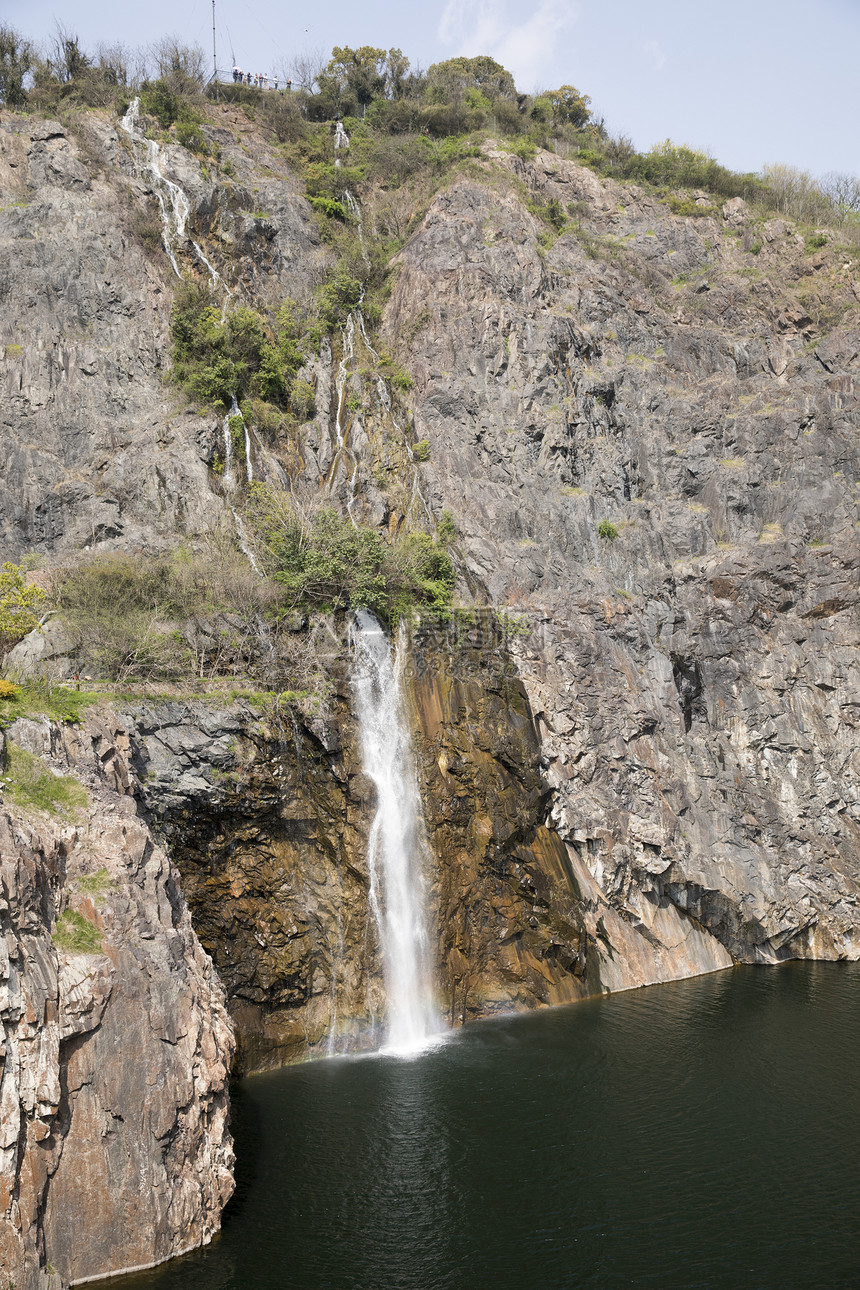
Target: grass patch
(76, 935)
(30, 785)
(95, 884)
(37, 698)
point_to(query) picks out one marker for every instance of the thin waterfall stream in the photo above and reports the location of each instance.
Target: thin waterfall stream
(172, 199)
(396, 844)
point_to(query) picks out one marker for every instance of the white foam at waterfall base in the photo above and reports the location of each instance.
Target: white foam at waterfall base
(396, 848)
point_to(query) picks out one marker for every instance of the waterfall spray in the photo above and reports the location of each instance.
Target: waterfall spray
(396, 845)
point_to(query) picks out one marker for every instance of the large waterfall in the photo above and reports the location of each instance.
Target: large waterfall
(396, 845)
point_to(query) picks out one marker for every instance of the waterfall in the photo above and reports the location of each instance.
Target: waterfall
(355, 211)
(341, 140)
(342, 377)
(243, 540)
(396, 845)
(249, 468)
(229, 476)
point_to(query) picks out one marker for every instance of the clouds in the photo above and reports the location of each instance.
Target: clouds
(525, 47)
(655, 55)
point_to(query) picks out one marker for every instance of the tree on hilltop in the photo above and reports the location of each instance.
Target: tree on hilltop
(16, 60)
(451, 81)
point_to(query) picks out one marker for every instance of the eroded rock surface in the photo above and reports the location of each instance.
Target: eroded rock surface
(116, 1046)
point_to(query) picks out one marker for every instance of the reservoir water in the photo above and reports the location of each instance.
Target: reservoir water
(698, 1134)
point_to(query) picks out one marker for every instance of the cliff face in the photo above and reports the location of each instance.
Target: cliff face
(96, 450)
(267, 817)
(115, 1045)
(693, 673)
(654, 771)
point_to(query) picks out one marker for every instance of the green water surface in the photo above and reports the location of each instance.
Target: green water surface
(699, 1134)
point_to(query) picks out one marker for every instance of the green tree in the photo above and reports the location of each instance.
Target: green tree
(568, 106)
(21, 605)
(216, 359)
(396, 68)
(361, 73)
(450, 81)
(16, 60)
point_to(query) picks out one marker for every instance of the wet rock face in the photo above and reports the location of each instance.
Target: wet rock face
(691, 669)
(266, 817)
(115, 1045)
(507, 907)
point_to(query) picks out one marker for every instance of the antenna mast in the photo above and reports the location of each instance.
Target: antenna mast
(214, 56)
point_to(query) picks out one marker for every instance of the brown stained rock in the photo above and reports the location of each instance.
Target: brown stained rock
(269, 831)
(506, 906)
(114, 1147)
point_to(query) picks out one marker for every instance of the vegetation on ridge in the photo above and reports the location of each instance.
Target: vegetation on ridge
(448, 105)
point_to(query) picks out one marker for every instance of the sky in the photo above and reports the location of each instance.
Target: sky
(753, 82)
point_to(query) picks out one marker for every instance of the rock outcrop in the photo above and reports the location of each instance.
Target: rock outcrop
(115, 1045)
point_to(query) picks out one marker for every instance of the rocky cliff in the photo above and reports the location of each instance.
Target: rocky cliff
(115, 1046)
(641, 762)
(96, 450)
(687, 382)
(691, 384)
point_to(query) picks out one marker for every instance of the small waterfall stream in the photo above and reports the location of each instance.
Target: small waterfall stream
(396, 845)
(172, 198)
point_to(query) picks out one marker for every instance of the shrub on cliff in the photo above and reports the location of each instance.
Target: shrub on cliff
(16, 60)
(326, 561)
(241, 355)
(172, 103)
(170, 617)
(70, 76)
(117, 606)
(21, 605)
